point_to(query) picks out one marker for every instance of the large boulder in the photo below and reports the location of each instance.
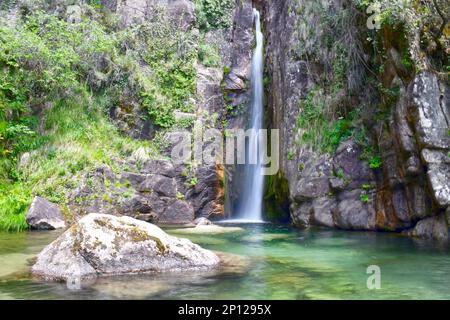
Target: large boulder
(431, 111)
(353, 214)
(162, 185)
(44, 215)
(100, 245)
(431, 228)
(179, 212)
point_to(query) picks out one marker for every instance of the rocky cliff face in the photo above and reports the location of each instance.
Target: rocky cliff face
(157, 190)
(339, 189)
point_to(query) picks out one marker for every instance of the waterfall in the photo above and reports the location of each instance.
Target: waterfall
(251, 200)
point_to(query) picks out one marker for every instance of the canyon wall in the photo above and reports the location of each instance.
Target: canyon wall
(407, 189)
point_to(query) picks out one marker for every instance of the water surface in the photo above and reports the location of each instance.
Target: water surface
(266, 262)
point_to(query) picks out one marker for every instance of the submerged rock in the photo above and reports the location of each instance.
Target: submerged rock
(101, 245)
(208, 229)
(44, 215)
(202, 222)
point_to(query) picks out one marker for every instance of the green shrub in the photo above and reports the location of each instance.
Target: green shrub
(319, 129)
(14, 203)
(208, 55)
(375, 162)
(365, 198)
(214, 14)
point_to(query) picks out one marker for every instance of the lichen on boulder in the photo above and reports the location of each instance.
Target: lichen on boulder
(102, 245)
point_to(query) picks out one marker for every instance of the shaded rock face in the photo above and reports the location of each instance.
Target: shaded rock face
(155, 191)
(102, 245)
(44, 215)
(335, 191)
(341, 190)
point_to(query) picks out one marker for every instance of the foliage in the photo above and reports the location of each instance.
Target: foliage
(426, 25)
(291, 155)
(364, 198)
(375, 162)
(14, 202)
(68, 76)
(194, 181)
(214, 14)
(318, 128)
(208, 55)
(171, 55)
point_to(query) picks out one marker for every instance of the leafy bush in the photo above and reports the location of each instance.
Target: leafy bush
(214, 14)
(319, 128)
(69, 75)
(375, 162)
(208, 55)
(14, 202)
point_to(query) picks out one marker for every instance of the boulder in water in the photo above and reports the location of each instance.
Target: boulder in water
(101, 245)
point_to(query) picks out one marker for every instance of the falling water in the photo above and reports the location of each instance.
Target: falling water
(250, 207)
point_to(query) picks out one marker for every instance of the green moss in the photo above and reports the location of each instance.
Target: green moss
(276, 199)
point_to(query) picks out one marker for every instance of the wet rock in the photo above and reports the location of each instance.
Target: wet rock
(202, 222)
(207, 195)
(301, 214)
(44, 215)
(147, 217)
(100, 245)
(352, 214)
(323, 209)
(447, 215)
(208, 229)
(431, 228)
(136, 205)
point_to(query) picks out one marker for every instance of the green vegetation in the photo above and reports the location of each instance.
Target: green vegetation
(316, 123)
(214, 14)
(194, 181)
(276, 199)
(364, 198)
(423, 25)
(290, 155)
(375, 162)
(209, 55)
(171, 86)
(69, 75)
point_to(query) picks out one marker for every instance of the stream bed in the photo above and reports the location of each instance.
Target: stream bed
(266, 261)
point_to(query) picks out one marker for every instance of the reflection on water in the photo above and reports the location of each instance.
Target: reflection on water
(263, 262)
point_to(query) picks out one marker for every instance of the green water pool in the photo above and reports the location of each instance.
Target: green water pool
(265, 262)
